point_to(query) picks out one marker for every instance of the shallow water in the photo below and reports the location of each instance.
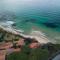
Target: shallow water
(52, 33)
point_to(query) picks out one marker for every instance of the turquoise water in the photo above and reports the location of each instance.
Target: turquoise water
(37, 24)
(31, 14)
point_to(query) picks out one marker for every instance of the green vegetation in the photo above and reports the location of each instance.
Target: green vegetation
(16, 38)
(57, 46)
(2, 36)
(33, 54)
(5, 36)
(39, 54)
(29, 54)
(26, 53)
(19, 55)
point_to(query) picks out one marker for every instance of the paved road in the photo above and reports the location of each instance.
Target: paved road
(57, 57)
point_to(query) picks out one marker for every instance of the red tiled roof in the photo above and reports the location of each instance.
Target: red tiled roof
(34, 45)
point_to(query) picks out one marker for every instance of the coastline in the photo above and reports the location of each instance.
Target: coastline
(42, 39)
(39, 36)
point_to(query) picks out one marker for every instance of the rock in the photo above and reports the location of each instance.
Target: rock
(50, 24)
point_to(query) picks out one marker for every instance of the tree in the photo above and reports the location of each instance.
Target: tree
(39, 54)
(23, 55)
(2, 36)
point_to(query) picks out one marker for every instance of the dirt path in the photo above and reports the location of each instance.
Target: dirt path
(2, 54)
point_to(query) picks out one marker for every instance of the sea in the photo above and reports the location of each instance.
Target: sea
(48, 23)
(33, 15)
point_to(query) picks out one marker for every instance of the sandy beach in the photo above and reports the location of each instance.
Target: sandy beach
(38, 35)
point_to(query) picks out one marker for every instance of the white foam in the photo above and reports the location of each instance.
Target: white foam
(40, 36)
(10, 22)
(7, 23)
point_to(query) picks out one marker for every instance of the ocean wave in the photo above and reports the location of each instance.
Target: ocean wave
(40, 36)
(7, 23)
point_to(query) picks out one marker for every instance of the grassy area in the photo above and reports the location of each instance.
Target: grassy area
(57, 46)
(33, 54)
(29, 54)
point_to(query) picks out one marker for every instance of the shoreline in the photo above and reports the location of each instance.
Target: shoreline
(42, 39)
